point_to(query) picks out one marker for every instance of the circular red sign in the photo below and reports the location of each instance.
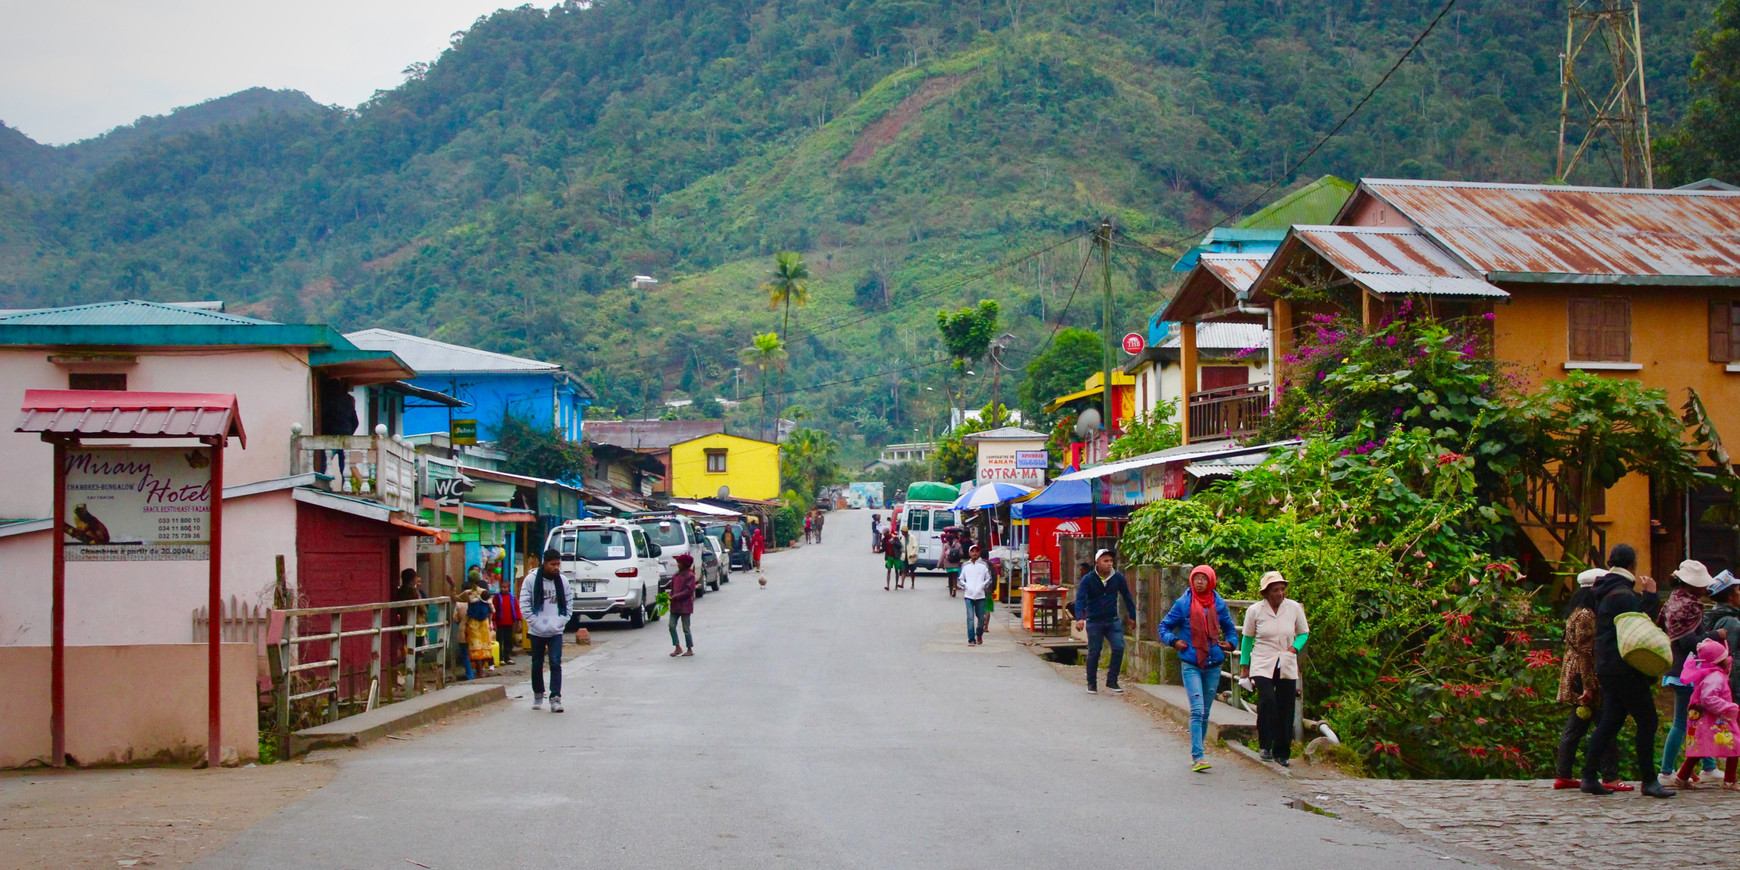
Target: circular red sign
(1134, 343)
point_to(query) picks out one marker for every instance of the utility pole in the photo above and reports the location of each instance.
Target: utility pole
(1604, 37)
(998, 345)
(1104, 238)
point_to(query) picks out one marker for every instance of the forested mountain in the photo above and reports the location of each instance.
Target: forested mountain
(506, 192)
(26, 163)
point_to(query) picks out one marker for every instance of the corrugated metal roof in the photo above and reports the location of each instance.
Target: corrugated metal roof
(126, 413)
(1237, 271)
(649, 434)
(130, 312)
(1557, 230)
(1392, 261)
(429, 356)
(1217, 335)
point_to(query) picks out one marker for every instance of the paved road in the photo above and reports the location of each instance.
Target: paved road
(823, 722)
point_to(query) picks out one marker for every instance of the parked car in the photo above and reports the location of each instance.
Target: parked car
(674, 535)
(614, 569)
(738, 555)
(712, 562)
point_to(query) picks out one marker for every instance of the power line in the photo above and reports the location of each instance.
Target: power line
(1322, 141)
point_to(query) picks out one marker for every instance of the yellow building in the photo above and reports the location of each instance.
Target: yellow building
(748, 466)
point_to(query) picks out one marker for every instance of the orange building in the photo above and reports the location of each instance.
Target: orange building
(1639, 284)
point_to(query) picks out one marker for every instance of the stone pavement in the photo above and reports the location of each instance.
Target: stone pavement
(1528, 824)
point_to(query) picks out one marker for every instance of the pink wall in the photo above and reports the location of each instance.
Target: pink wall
(145, 602)
(127, 704)
(272, 385)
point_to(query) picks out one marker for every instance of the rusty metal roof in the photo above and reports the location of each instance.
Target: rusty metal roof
(649, 434)
(1237, 271)
(127, 414)
(1390, 261)
(1553, 232)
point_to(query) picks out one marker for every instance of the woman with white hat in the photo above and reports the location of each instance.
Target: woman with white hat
(1579, 688)
(1682, 617)
(1275, 631)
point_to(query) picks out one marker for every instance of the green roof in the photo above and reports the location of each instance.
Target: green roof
(1315, 203)
(131, 312)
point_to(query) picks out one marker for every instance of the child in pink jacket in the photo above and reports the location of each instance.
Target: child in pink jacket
(1711, 731)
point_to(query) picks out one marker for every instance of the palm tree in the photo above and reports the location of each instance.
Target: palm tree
(765, 353)
(789, 283)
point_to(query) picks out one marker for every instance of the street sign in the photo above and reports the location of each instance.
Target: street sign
(138, 504)
(1134, 343)
(463, 432)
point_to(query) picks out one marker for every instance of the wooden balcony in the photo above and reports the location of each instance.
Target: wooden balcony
(1227, 412)
(375, 467)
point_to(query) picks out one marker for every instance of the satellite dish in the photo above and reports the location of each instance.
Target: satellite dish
(724, 491)
(1088, 423)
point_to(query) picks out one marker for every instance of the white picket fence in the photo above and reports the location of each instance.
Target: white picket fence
(238, 622)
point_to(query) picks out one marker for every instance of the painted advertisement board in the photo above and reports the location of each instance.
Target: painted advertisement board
(138, 504)
(1022, 462)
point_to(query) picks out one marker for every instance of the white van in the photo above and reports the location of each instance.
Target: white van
(926, 520)
(613, 567)
(674, 535)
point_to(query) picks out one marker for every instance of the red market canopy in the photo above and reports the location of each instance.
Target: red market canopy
(125, 413)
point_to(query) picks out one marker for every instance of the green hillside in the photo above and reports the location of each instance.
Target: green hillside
(505, 195)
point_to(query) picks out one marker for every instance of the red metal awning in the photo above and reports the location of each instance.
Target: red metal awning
(123, 413)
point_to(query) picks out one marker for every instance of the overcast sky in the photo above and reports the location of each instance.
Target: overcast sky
(71, 69)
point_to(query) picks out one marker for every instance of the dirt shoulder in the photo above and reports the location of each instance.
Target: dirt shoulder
(140, 817)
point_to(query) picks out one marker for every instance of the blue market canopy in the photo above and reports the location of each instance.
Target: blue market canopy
(1068, 499)
(989, 495)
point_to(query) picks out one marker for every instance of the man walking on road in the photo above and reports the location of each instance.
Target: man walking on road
(1625, 690)
(544, 601)
(975, 580)
(1096, 610)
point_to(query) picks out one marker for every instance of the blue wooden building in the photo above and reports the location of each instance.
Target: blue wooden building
(494, 384)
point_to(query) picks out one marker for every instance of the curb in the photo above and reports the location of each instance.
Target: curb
(365, 728)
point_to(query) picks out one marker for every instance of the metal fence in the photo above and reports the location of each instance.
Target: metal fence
(309, 657)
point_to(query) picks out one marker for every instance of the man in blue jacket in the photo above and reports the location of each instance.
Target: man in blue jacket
(1096, 609)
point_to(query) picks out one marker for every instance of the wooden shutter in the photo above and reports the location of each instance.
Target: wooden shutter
(1585, 329)
(1615, 329)
(1721, 332)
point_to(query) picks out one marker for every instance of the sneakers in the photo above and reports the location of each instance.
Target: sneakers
(1116, 690)
(1093, 691)
(1266, 755)
(1284, 763)
(1200, 766)
(555, 704)
(537, 702)
(1672, 780)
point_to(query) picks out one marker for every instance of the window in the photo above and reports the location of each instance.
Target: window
(715, 462)
(1724, 332)
(96, 381)
(918, 520)
(596, 545)
(1600, 329)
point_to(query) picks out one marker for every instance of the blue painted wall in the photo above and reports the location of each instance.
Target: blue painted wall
(545, 400)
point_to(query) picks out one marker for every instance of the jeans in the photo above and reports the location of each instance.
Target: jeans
(1676, 736)
(1575, 727)
(551, 646)
(1200, 684)
(1624, 695)
(1103, 632)
(686, 635)
(1275, 715)
(975, 619)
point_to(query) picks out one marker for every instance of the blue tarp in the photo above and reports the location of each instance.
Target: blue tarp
(1067, 498)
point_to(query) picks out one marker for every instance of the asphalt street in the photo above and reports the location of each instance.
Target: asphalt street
(822, 722)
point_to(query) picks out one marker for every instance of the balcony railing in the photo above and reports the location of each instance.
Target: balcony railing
(374, 467)
(1228, 412)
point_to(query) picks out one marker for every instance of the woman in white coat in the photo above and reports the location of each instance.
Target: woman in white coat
(1275, 631)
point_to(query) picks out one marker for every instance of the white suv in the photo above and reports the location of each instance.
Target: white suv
(673, 535)
(613, 567)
